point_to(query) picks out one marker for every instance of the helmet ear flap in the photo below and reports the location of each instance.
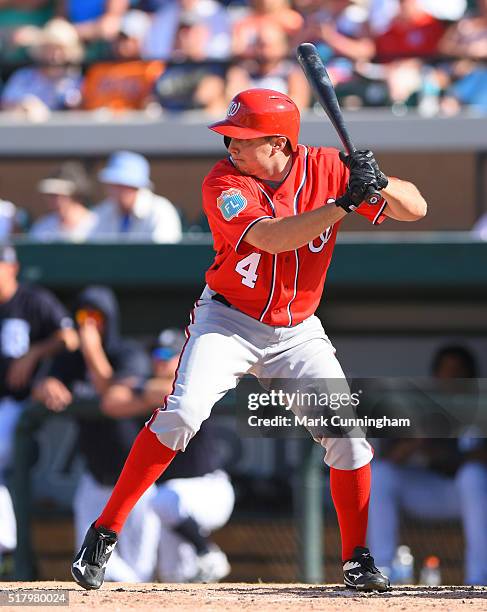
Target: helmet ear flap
(226, 140)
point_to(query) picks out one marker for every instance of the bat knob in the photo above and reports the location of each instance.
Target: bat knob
(373, 198)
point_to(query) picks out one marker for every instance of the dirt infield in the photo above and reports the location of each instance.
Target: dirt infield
(261, 597)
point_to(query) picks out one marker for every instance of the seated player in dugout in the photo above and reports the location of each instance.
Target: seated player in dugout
(104, 360)
(274, 208)
(166, 535)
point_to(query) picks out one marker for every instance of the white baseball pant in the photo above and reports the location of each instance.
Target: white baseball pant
(10, 411)
(224, 344)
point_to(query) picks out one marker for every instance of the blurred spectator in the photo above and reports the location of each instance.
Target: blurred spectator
(33, 326)
(423, 478)
(412, 33)
(65, 193)
(264, 12)
(53, 83)
(195, 496)
(191, 84)
(272, 69)
(104, 360)
(338, 28)
(381, 12)
(95, 19)
(134, 26)
(165, 354)
(470, 90)
(467, 39)
(411, 37)
(161, 40)
(128, 84)
(131, 210)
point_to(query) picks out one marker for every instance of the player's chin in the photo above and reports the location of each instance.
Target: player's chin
(244, 171)
(241, 166)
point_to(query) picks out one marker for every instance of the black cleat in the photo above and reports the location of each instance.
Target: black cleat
(88, 567)
(360, 572)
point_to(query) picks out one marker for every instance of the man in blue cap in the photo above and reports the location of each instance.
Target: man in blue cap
(131, 211)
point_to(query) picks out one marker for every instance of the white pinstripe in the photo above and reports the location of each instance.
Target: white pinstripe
(251, 224)
(381, 210)
(296, 251)
(274, 261)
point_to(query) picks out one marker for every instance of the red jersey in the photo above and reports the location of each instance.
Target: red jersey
(286, 288)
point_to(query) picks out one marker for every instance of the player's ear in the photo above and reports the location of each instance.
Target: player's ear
(279, 143)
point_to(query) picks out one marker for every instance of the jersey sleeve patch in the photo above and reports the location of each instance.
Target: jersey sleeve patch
(231, 202)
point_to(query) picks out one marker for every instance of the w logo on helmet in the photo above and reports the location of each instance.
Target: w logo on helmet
(233, 109)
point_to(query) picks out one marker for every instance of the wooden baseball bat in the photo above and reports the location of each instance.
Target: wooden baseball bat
(317, 76)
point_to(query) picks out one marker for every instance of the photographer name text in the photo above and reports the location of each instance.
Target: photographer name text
(321, 421)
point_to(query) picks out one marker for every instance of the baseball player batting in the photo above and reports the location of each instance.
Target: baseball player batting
(274, 208)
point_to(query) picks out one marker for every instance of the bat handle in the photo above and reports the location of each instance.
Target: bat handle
(372, 196)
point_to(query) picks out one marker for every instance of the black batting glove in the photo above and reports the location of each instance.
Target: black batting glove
(365, 175)
(362, 178)
(351, 200)
(360, 162)
(381, 178)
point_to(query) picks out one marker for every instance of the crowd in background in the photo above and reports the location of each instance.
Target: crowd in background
(180, 55)
(130, 211)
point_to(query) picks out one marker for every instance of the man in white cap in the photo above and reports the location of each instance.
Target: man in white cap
(131, 210)
(65, 193)
(53, 82)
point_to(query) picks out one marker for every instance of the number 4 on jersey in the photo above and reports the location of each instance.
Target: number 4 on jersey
(247, 268)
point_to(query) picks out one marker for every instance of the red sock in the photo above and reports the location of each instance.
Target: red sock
(350, 491)
(147, 460)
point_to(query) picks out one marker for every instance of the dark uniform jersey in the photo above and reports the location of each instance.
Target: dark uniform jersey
(33, 314)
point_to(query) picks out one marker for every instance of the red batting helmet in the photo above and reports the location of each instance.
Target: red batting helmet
(254, 113)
